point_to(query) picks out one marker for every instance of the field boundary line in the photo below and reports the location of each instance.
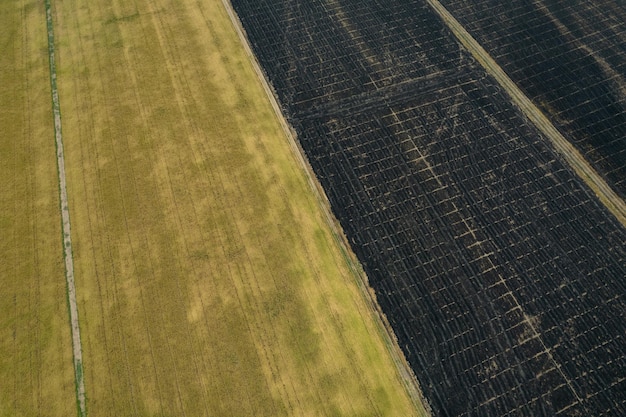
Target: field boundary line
(570, 154)
(390, 340)
(65, 221)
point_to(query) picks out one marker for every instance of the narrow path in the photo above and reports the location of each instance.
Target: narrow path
(571, 155)
(65, 219)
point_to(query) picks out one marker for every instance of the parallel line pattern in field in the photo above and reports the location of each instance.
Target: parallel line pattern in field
(197, 293)
(65, 220)
(499, 270)
(408, 377)
(569, 58)
(569, 152)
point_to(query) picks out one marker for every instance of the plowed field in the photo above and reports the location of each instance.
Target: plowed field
(500, 271)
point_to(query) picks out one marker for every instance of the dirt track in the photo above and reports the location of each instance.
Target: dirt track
(65, 220)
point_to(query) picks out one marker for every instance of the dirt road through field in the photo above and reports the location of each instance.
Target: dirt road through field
(65, 219)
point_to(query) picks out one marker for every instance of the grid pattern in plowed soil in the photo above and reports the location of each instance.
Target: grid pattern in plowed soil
(569, 57)
(500, 273)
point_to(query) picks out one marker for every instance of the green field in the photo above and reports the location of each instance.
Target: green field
(208, 280)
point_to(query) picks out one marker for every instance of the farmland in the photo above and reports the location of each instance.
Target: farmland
(498, 268)
(208, 279)
(36, 375)
(570, 58)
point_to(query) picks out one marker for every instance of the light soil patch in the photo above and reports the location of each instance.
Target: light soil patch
(208, 279)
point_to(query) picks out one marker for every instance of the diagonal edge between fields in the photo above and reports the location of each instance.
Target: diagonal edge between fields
(607, 196)
(65, 221)
(406, 373)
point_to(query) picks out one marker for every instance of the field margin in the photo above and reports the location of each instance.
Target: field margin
(570, 154)
(409, 380)
(65, 222)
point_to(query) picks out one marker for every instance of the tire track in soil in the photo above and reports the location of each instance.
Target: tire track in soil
(118, 148)
(102, 79)
(32, 192)
(65, 220)
(180, 84)
(85, 130)
(97, 218)
(130, 59)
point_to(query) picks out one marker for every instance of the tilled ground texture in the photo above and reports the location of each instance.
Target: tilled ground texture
(569, 57)
(500, 272)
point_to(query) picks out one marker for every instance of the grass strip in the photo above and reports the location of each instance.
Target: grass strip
(65, 220)
(570, 154)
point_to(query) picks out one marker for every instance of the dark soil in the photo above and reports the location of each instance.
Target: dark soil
(499, 271)
(569, 57)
